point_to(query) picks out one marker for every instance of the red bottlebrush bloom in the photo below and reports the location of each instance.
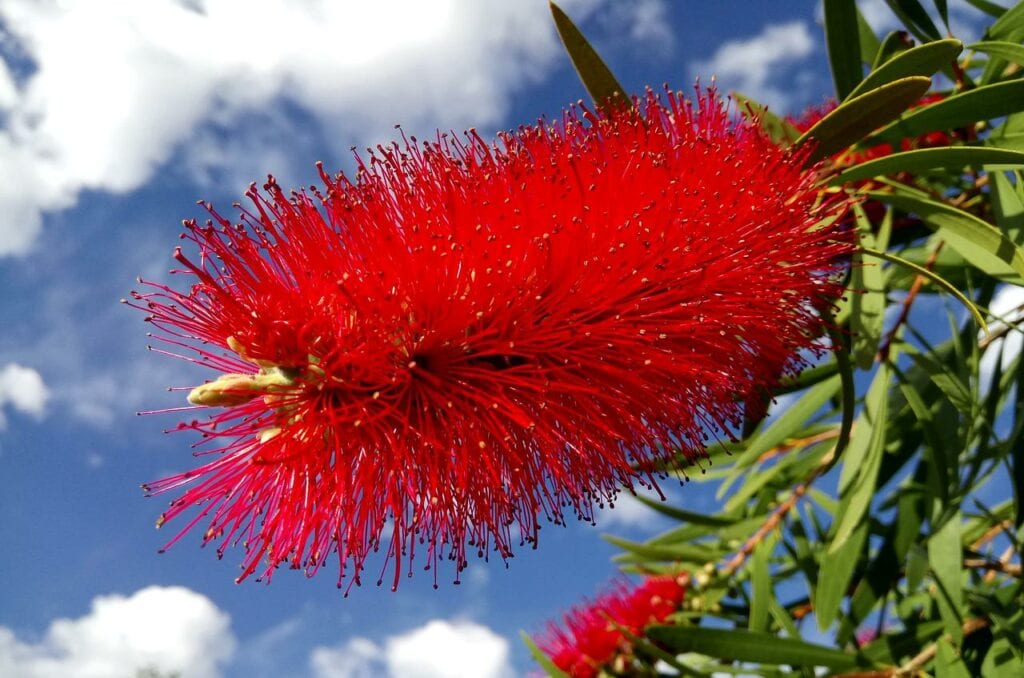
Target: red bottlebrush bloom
(467, 337)
(934, 139)
(592, 637)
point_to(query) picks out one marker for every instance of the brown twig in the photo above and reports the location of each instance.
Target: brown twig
(990, 534)
(797, 442)
(914, 666)
(1004, 328)
(1012, 569)
(915, 289)
(775, 519)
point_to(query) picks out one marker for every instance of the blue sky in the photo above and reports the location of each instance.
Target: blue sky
(114, 119)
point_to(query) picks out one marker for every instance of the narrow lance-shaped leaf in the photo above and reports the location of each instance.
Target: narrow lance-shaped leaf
(953, 158)
(859, 477)
(870, 45)
(984, 103)
(745, 646)
(990, 8)
(978, 241)
(594, 73)
(867, 281)
(943, 9)
(1010, 25)
(935, 278)
(847, 389)
(761, 584)
(894, 44)
(843, 45)
(924, 59)
(834, 577)
(945, 556)
(915, 18)
(1009, 51)
(791, 419)
(854, 118)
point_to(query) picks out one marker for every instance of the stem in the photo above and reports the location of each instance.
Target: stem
(915, 289)
(776, 517)
(1012, 569)
(914, 666)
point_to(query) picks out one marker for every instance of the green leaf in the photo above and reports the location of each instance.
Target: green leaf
(856, 117)
(1007, 206)
(1010, 51)
(983, 103)
(915, 18)
(686, 516)
(847, 389)
(843, 45)
(952, 157)
(594, 73)
(943, 9)
(945, 556)
(859, 477)
(663, 552)
(937, 449)
(791, 419)
(980, 243)
(894, 44)
(834, 577)
(889, 648)
(867, 283)
(778, 129)
(917, 566)
(746, 646)
(761, 584)
(870, 45)
(1009, 26)
(948, 382)
(924, 59)
(990, 8)
(809, 377)
(541, 658)
(935, 278)
(948, 662)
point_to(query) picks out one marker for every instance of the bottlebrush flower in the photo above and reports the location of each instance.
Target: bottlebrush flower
(466, 338)
(591, 636)
(934, 139)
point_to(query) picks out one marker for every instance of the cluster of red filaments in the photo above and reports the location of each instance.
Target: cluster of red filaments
(465, 339)
(850, 157)
(597, 635)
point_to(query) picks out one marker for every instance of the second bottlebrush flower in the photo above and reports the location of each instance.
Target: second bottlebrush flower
(433, 357)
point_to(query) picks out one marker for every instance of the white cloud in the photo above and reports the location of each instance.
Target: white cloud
(169, 629)
(23, 389)
(752, 66)
(1008, 302)
(116, 87)
(438, 649)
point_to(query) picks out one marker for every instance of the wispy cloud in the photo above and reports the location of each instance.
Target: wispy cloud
(755, 66)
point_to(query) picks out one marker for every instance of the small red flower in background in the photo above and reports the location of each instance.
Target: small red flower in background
(591, 636)
(464, 339)
(934, 139)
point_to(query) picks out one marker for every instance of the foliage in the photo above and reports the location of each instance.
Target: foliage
(873, 527)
